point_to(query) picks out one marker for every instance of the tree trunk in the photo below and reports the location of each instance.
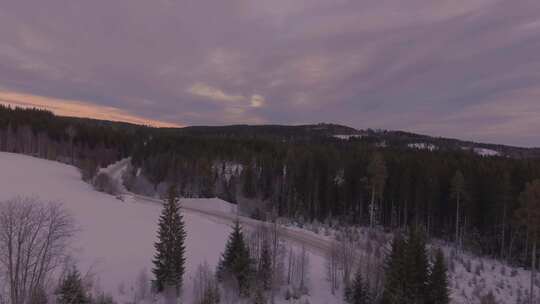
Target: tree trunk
(170, 295)
(503, 231)
(405, 215)
(533, 270)
(457, 221)
(372, 208)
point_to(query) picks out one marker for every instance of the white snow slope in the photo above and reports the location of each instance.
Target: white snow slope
(116, 238)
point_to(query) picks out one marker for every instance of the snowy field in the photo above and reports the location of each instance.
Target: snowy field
(116, 238)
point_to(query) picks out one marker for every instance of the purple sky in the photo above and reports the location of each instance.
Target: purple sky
(462, 68)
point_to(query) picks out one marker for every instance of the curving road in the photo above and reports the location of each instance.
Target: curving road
(313, 243)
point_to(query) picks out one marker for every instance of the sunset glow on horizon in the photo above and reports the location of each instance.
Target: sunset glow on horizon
(75, 108)
(450, 68)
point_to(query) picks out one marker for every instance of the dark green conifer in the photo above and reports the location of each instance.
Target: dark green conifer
(236, 263)
(71, 289)
(169, 261)
(395, 273)
(438, 281)
(417, 268)
(358, 292)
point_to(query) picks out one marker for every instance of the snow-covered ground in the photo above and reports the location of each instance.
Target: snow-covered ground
(472, 277)
(486, 152)
(483, 151)
(116, 237)
(347, 136)
(422, 146)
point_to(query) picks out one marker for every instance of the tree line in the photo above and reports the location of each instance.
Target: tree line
(299, 174)
(454, 195)
(85, 143)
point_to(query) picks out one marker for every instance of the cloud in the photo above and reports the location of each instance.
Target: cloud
(368, 63)
(257, 101)
(206, 91)
(76, 108)
(236, 101)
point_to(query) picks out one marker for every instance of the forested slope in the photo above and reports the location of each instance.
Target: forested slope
(305, 172)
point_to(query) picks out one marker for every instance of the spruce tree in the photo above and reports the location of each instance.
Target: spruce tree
(438, 281)
(71, 289)
(236, 262)
(417, 267)
(395, 273)
(458, 192)
(358, 291)
(407, 270)
(378, 174)
(529, 215)
(169, 261)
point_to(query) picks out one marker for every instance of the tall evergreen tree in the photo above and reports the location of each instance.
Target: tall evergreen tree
(438, 281)
(458, 192)
(169, 261)
(417, 267)
(377, 179)
(236, 263)
(407, 271)
(395, 273)
(71, 289)
(358, 292)
(529, 215)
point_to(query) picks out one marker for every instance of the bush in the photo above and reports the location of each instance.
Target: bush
(88, 169)
(104, 183)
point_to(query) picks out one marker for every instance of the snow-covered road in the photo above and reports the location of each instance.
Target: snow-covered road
(314, 243)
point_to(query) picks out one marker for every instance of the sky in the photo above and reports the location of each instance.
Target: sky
(468, 69)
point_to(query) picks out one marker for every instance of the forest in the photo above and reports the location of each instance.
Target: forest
(302, 174)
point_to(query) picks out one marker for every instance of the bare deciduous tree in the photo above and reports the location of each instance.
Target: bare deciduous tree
(205, 286)
(298, 271)
(332, 266)
(33, 240)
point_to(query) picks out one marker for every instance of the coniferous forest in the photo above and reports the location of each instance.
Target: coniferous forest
(304, 173)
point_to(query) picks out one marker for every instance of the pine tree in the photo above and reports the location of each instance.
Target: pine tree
(395, 273)
(529, 216)
(71, 289)
(236, 262)
(417, 267)
(265, 266)
(407, 270)
(169, 261)
(458, 192)
(377, 174)
(358, 291)
(438, 281)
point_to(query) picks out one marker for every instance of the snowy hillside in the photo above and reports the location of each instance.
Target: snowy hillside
(422, 146)
(116, 238)
(486, 152)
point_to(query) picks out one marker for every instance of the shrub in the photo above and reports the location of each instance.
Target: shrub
(104, 183)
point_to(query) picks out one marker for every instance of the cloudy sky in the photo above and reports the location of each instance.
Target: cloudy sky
(461, 68)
